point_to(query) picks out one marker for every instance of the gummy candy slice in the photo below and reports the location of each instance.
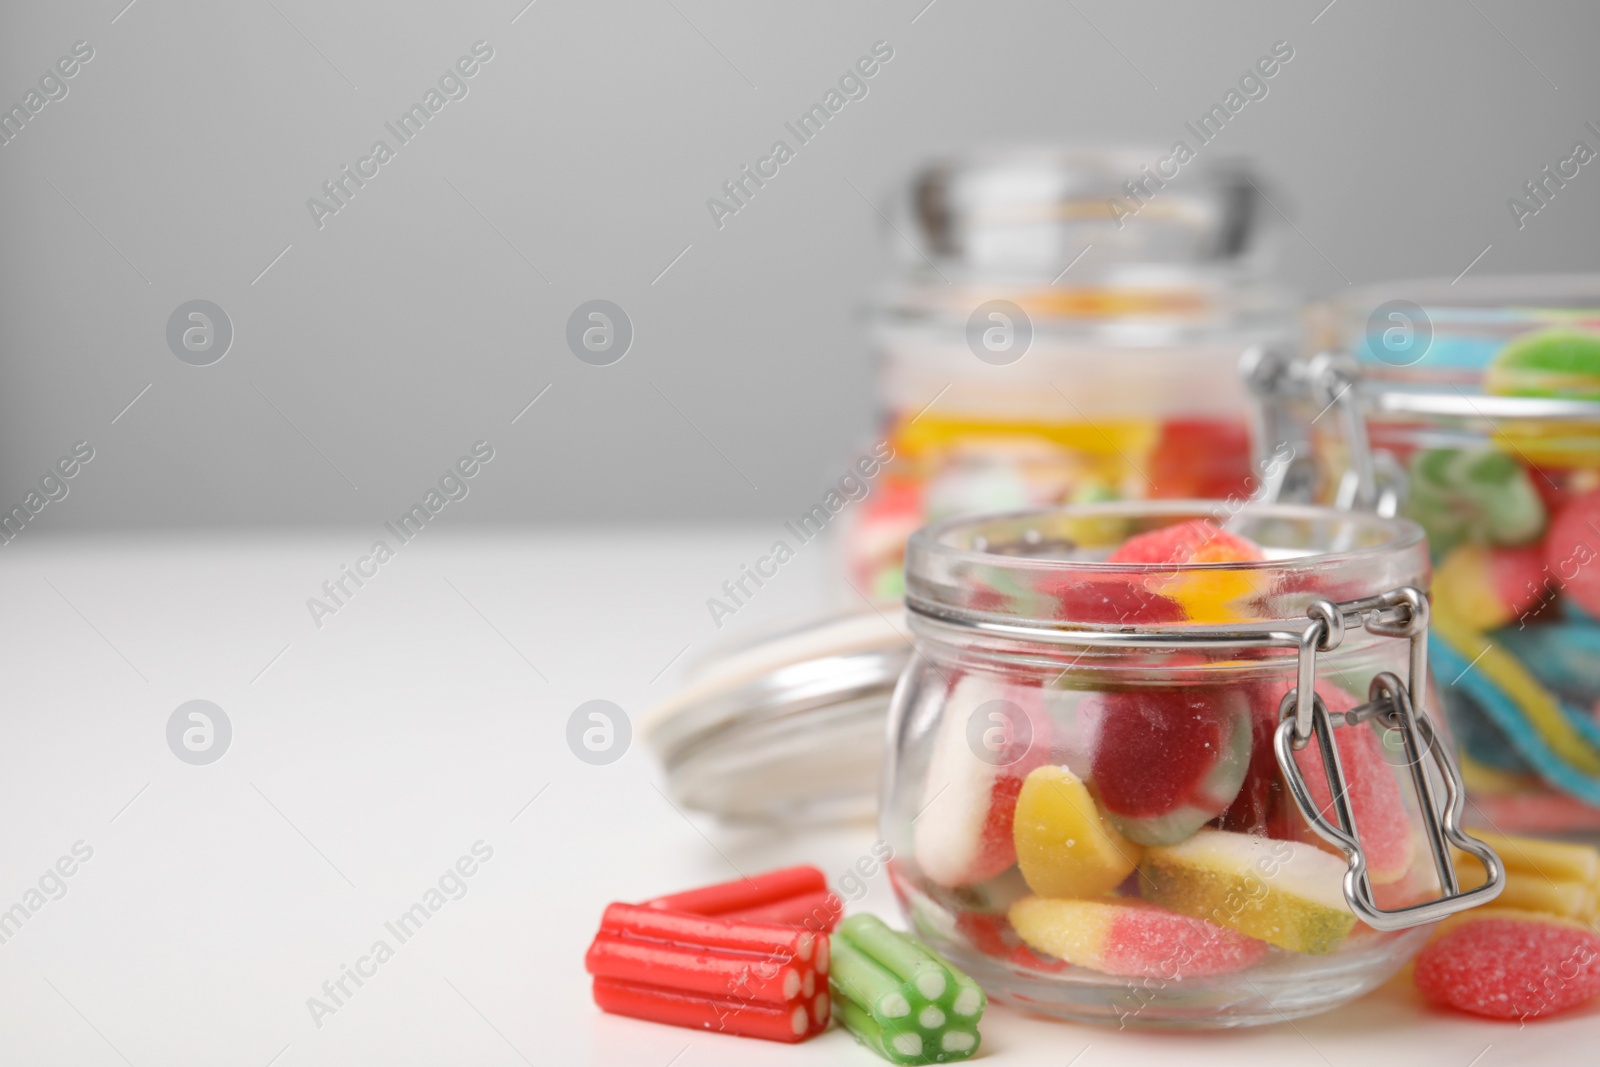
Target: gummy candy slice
(1133, 939)
(900, 998)
(963, 832)
(1205, 596)
(1377, 803)
(1481, 495)
(1065, 847)
(1283, 892)
(1164, 762)
(1570, 551)
(1561, 363)
(1507, 964)
(1486, 588)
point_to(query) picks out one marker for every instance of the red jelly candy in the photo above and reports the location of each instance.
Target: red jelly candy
(1376, 801)
(1164, 762)
(1195, 541)
(1572, 548)
(1507, 964)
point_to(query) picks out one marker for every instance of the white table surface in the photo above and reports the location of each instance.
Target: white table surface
(375, 751)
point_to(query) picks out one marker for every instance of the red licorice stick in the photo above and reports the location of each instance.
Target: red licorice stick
(744, 976)
(655, 924)
(743, 894)
(819, 911)
(788, 1022)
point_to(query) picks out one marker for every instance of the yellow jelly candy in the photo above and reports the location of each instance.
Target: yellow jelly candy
(1283, 892)
(1065, 846)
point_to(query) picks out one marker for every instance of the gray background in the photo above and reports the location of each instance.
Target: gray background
(413, 324)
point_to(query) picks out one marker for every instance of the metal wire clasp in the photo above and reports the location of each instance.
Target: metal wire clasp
(1400, 613)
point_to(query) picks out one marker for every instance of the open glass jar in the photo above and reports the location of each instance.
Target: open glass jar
(1474, 409)
(1108, 800)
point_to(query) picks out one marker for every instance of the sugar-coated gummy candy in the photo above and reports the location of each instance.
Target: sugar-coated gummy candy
(1132, 938)
(1482, 494)
(1064, 845)
(900, 998)
(1283, 892)
(1570, 551)
(1486, 587)
(1166, 761)
(1209, 596)
(1558, 362)
(789, 896)
(1507, 964)
(1377, 803)
(963, 834)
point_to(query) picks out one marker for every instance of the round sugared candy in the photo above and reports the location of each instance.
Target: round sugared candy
(1508, 964)
(1572, 551)
(1166, 761)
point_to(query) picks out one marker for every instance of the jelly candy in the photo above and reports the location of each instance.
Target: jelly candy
(1564, 655)
(1509, 964)
(1283, 892)
(1205, 596)
(1132, 938)
(1572, 551)
(1486, 588)
(711, 972)
(963, 833)
(900, 998)
(1194, 541)
(1164, 762)
(1064, 846)
(1377, 803)
(1549, 363)
(1473, 495)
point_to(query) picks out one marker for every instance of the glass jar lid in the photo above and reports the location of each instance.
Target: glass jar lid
(786, 727)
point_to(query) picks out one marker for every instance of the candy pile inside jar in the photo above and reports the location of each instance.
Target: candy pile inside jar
(1112, 838)
(1513, 519)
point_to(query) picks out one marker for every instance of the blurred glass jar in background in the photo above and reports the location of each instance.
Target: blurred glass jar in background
(1086, 787)
(1473, 407)
(1066, 327)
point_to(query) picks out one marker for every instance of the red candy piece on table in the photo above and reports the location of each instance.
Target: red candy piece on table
(1377, 802)
(791, 896)
(711, 972)
(992, 735)
(1572, 548)
(1507, 964)
(1164, 762)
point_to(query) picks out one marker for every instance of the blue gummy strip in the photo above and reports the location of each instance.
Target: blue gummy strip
(1519, 732)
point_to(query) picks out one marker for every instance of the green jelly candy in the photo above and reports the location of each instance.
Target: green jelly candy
(1557, 363)
(1482, 496)
(899, 997)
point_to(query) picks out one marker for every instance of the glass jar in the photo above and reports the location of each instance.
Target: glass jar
(1106, 798)
(1474, 409)
(1066, 327)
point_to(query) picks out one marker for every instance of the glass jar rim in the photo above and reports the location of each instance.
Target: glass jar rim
(934, 541)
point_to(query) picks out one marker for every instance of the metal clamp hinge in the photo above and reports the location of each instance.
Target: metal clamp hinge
(1399, 706)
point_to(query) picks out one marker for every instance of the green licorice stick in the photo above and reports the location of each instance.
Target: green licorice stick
(885, 992)
(926, 975)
